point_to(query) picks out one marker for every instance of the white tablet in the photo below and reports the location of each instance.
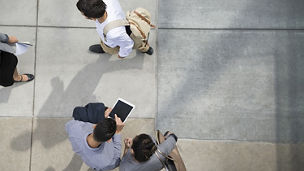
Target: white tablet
(122, 109)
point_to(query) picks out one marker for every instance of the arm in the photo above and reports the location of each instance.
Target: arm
(128, 143)
(117, 140)
(68, 126)
(124, 42)
(70, 129)
(167, 146)
(117, 148)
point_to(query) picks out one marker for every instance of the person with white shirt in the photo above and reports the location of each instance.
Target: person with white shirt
(117, 40)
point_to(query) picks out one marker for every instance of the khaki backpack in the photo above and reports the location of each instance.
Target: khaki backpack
(139, 21)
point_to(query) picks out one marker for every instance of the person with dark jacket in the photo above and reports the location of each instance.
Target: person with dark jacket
(8, 62)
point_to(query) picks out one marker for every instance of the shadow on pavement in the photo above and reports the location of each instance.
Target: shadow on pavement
(289, 101)
(79, 91)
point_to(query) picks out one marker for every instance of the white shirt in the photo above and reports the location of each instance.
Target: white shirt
(117, 36)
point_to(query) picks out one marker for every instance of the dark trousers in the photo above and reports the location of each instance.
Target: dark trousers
(8, 63)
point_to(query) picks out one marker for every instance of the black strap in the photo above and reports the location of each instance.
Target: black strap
(128, 30)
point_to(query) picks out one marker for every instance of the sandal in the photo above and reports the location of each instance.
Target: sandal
(29, 76)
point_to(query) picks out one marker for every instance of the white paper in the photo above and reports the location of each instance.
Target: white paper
(21, 48)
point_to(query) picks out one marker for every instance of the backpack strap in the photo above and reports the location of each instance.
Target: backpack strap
(114, 24)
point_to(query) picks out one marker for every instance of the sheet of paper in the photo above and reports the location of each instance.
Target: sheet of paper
(21, 48)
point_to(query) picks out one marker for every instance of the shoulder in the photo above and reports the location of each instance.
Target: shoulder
(72, 123)
(75, 126)
(127, 162)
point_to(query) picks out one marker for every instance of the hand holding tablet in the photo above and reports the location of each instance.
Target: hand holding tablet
(119, 124)
(122, 109)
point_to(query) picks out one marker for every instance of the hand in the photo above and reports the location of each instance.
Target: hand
(12, 39)
(107, 112)
(119, 124)
(128, 142)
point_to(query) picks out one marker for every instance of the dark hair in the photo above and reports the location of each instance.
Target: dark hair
(143, 147)
(104, 130)
(92, 8)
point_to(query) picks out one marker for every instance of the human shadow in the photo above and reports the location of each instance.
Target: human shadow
(79, 91)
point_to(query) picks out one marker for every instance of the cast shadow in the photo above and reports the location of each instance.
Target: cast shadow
(79, 91)
(5, 92)
(289, 103)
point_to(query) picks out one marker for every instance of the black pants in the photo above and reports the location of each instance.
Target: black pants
(8, 63)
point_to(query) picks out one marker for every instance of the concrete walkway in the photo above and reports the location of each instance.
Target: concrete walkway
(226, 77)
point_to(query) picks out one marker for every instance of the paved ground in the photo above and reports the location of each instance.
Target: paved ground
(226, 77)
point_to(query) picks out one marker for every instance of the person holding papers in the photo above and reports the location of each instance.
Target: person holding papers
(8, 62)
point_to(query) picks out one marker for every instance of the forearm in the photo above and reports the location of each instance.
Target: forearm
(117, 150)
(125, 46)
(125, 151)
(124, 52)
(168, 145)
(117, 145)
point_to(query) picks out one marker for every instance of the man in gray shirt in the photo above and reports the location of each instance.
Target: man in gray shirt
(99, 145)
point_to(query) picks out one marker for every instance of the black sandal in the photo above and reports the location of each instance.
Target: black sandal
(29, 76)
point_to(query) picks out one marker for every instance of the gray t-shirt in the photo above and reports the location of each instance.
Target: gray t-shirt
(128, 163)
(105, 157)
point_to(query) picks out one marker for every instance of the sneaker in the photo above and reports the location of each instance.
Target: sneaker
(150, 51)
(96, 49)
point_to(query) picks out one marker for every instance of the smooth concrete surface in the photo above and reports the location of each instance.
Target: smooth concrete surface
(68, 75)
(274, 14)
(21, 12)
(65, 13)
(240, 156)
(61, 13)
(15, 152)
(17, 100)
(52, 150)
(231, 85)
(240, 83)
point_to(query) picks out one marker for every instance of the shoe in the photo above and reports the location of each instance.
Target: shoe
(96, 49)
(150, 51)
(29, 76)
